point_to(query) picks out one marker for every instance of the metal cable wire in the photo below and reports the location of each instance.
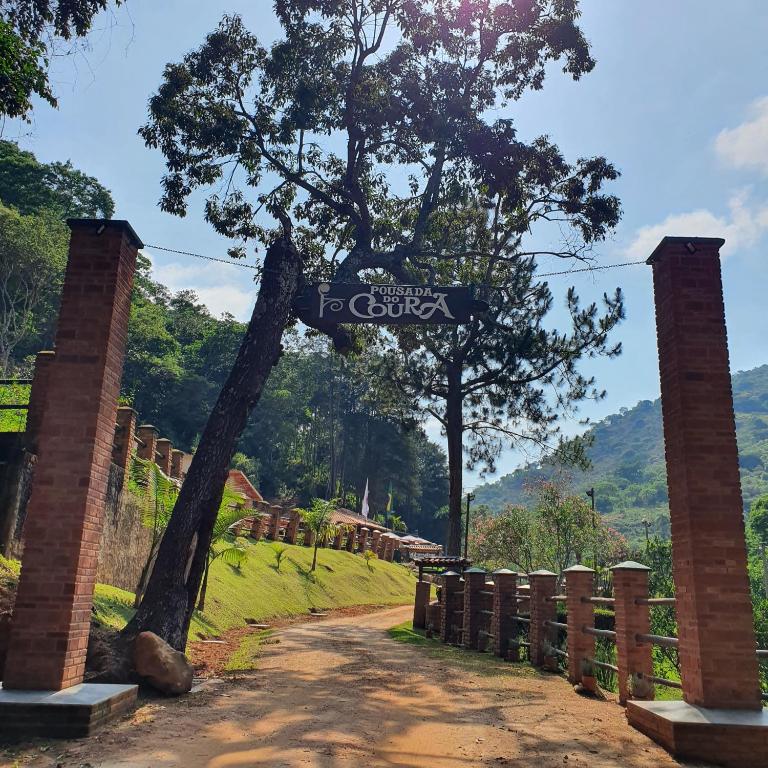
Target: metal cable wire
(233, 263)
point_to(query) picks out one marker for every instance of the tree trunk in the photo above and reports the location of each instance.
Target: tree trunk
(314, 553)
(172, 590)
(204, 586)
(454, 429)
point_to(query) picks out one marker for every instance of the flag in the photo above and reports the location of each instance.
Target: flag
(365, 499)
(389, 498)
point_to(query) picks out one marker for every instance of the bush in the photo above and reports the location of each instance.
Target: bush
(279, 549)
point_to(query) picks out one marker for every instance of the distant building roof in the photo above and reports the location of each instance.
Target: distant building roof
(237, 481)
(348, 517)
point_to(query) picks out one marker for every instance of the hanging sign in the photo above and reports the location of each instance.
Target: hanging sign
(388, 304)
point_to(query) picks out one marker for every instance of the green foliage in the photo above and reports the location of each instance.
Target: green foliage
(30, 35)
(279, 549)
(627, 462)
(318, 519)
(13, 394)
(369, 558)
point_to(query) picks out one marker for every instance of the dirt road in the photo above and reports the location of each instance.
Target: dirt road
(341, 693)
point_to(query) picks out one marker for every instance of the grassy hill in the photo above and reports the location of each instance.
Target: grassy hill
(627, 456)
(259, 591)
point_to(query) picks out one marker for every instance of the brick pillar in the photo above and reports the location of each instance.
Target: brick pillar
(423, 593)
(375, 542)
(504, 609)
(292, 529)
(630, 584)
(177, 462)
(257, 528)
(543, 585)
(148, 446)
(389, 550)
(337, 539)
(125, 433)
(51, 618)
(309, 537)
(714, 611)
(579, 585)
(274, 529)
(38, 397)
(474, 582)
(351, 540)
(164, 450)
(451, 600)
(363, 540)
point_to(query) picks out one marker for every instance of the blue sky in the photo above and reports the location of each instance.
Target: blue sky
(678, 101)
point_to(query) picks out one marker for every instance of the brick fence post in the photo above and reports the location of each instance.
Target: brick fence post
(630, 584)
(714, 611)
(147, 449)
(274, 527)
(451, 602)
(423, 593)
(504, 610)
(351, 539)
(164, 450)
(337, 539)
(38, 397)
(292, 529)
(125, 435)
(579, 585)
(363, 540)
(52, 615)
(257, 527)
(543, 585)
(474, 582)
(375, 542)
(177, 462)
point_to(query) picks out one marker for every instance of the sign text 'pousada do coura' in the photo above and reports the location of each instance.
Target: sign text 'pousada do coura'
(388, 304)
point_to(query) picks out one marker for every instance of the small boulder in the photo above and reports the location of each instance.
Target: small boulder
(160, 665)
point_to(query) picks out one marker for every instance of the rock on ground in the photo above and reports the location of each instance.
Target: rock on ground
(160, 665)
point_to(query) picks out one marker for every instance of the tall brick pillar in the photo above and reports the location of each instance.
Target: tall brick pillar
(351, 540)
(125, 434)
(630, 585)
(337, 539)
(543, 585)
(375, 542)
(504, 610)
(423, 593)
(451, 603)
(714, 611)
(164, 451)
(579, 585)
(363, 541)
(474, 583)
(51, 618)
(38, 397)
(292, 529)
(148, 436)
(177, 461)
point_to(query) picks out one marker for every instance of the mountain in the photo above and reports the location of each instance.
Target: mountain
(627, 456)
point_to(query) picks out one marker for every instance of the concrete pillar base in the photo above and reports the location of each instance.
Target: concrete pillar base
(69, 714)
(729, 737)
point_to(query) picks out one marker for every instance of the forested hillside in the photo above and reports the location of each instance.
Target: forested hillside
(324, 425)
(627, 456)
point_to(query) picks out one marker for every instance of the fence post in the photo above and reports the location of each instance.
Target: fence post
(351, 540)
(292, 529)
(504, 609)
(630, 584)
(124, 437)
(543, 585)
(474, 581)
(450, 598)
(579, 584)
(363, 541)
(423, 593)
(148, 447)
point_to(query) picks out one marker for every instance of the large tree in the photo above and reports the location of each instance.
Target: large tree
(505, 377)
(351, 131)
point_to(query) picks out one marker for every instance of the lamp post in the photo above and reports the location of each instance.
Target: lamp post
(591, 495)
(470, 496)
(646, 524)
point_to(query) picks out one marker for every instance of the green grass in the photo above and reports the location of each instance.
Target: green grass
(14, 394)
(471, 661)
(244, 659)
(259, 591)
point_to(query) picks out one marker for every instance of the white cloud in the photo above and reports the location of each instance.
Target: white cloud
(746, 145)
(743, 226)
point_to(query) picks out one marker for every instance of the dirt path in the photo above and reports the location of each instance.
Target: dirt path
(341, 693)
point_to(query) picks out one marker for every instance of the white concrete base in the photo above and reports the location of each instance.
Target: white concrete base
(71, 713)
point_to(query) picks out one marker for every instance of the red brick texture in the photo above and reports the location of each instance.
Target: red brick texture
(504, 610)
(579, 584)
(423, 592)
(164, 451)
(474, 583)
(51, 619)
(630, 584)
(363, 539)
(543, 585)
(148, 435)
(292, 529)
(714, 612)
(452, 607)
(177, 462)
(38, 397)
(125, 435)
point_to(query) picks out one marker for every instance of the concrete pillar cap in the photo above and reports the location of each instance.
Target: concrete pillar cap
(630, 565)
(475, 570)
(449, 573)
(542, 572)
(579, 569)
(164, 440)
(691, 244)
(149, 426)
(505, 571)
